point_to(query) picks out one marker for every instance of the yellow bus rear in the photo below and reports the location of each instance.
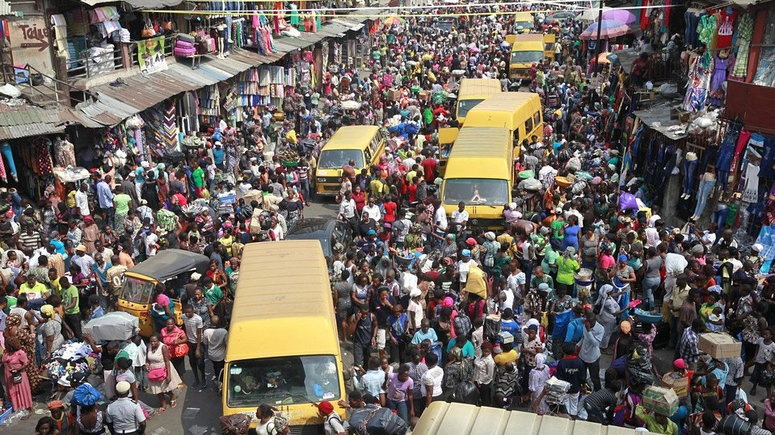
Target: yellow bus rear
(518, 112)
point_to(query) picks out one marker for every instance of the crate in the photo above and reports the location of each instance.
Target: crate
(5, 415)
(678, 382)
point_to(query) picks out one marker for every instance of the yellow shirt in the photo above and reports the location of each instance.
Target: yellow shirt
(506, 357)
(56, 286)
(35, 292)
(71, 199)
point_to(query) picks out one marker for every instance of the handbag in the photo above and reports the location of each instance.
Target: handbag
(17, 377)
(158, 374)
(180, 350)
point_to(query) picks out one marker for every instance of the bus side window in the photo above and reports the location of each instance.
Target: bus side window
(367, 152)
(528, 126)
(537, 118)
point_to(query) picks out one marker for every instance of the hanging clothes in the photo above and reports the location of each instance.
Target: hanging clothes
(726, 27)
(744, 36)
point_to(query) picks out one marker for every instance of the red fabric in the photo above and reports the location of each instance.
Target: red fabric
(726, 28)
(645, 19)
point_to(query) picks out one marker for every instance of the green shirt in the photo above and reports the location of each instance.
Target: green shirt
(214, 294)
(69, 295)
(566, 267)
(198, 177)
(122, 201)
(557, 226)
(550, 259)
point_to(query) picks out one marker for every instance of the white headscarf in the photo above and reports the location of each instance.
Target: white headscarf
(540, 361)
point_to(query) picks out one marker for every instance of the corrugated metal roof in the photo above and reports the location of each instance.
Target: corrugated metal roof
(26, 120)
(133, 94)
(20, 131)
(138, 4)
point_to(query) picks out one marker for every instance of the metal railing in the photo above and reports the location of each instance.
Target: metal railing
(28, 78)
(89, 66)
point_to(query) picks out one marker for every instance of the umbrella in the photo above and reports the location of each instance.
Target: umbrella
(621, 15)
(393, 21)
(116, 325)
(591, 14)
(351, 105)
(603, 57)
(608, 29)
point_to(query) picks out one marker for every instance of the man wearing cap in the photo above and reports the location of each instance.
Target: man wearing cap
(332, 422)
(83, 260)
(124, 416)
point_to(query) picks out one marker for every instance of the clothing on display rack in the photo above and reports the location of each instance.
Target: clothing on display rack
(722, 63)
(689, 168)
(726, 26)
(726, 153)
(768, 158)
(744, 36)
(751, 188)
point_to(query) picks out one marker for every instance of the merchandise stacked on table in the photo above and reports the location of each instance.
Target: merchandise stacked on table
(556, 390)
(69, 360)
(185, 45)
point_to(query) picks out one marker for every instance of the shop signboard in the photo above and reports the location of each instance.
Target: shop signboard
(150, 55)
(30, 40)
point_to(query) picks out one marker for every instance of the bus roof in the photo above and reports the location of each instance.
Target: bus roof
(500, 110)
(478, 88)
(458, 418)
(351, 137)
(283, 296)
(487, 148)
(523, 16)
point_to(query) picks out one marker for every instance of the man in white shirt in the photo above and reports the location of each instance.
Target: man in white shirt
(82, 200)
(460, 216)
(372, 209)
(124, 416)
(215, 338)
(347, 207)
(193, 325)
(431, 380)
(652, 233)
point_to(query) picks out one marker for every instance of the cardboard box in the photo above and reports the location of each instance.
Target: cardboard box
(719, 345)
(660, 400)
(424, 95)
(393, 94)
(678, 382)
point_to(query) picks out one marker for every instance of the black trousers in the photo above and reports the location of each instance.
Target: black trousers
(594, 373)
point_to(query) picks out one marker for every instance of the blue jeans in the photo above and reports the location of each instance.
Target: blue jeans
(689, 168)
(703, 193)
(720, 218)
(649, 285)
(402, 408)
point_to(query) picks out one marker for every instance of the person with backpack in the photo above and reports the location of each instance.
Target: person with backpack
(270, 423)
(332, 423)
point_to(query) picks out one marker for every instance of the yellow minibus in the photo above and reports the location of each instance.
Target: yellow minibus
(527, 49)
(283, 345)
(518, 112)
(473, 92)
(480, 175)
(363, 144)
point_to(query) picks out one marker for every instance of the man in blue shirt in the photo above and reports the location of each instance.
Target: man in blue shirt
(105, 198)
(425, 333)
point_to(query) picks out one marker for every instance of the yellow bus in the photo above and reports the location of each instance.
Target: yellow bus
(283, 345)
(518, 112)
(363, 144)
(480, 174)
(442, 418)
(549, 41)
(527, 49)
(523, 21)
(473, 92)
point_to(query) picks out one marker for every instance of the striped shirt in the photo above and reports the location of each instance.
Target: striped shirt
(29, 240)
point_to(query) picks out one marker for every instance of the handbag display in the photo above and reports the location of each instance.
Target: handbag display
(180, 350)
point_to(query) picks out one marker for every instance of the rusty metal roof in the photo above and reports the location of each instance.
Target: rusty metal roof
(125, 97)
(24, 120)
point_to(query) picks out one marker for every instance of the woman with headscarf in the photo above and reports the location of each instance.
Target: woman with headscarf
(17, 381)
(490, 248)
(18, 337)
(50, 330)
(457, 370)
(609, 309)
(538, 377)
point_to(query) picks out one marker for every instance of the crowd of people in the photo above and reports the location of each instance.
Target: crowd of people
(434, 307)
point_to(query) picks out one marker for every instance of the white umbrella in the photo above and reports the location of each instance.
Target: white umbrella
(351, 105)
(116, 325)
(591, 14)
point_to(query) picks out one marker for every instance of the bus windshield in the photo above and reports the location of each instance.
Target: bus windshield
(335, 159)
(476, 191)
(137, 291)
(465, 105)
(282, 381)
(527, 56)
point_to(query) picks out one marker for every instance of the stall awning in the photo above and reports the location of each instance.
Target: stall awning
(658, 118)
(137, 4)
(24, 121)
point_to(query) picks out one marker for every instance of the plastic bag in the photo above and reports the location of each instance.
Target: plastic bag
(86, 395)
(236, 424)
